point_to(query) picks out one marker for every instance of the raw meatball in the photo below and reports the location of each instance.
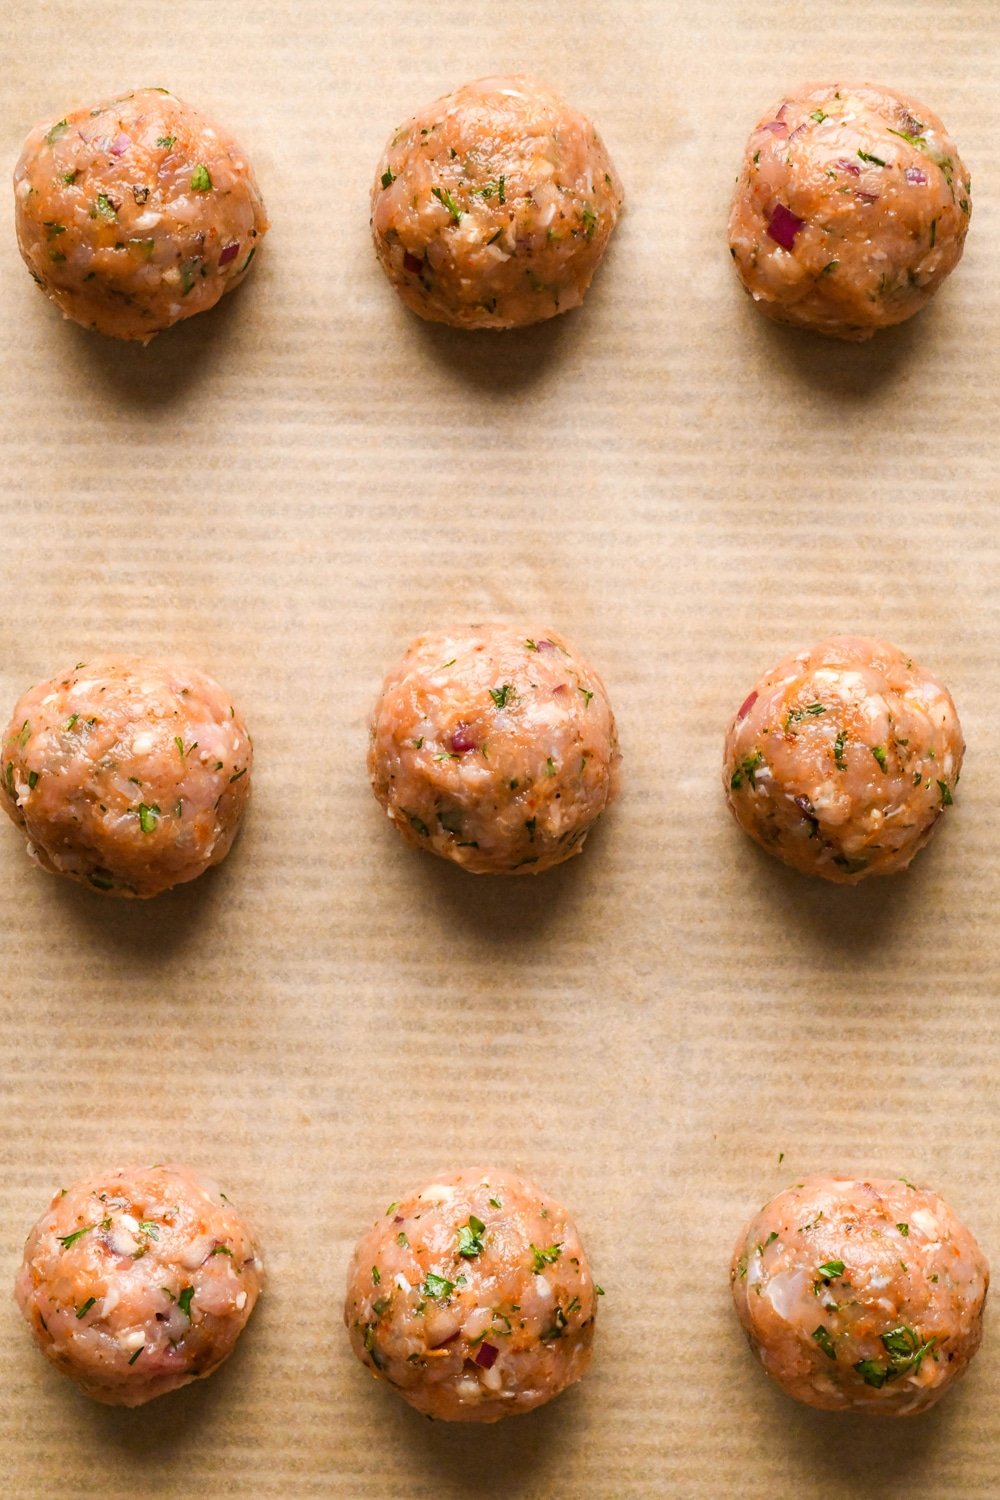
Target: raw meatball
(127, 775)
(136, 214)
(139, 1280)
(851, 208)
(860, 1296)
(494, 746)
(842, 759)
(492, 207)
(473, 1298)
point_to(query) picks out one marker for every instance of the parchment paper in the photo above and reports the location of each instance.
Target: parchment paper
(285, 490)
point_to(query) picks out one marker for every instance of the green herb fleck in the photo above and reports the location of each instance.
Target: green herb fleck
(879, 753)
(184, 1300)
(546, 1257)
(550, 766)
(103, 208)
(747, 767)
(136, 1354)
(589, 221)
(904, 1229)
(436, 1286)
(444, 197)
(58, 129)
(70, 1239)
(238, 774)
(201, 180)
(388, 177)
(946, 798)
(376, 1276)
(495, 1203)
(838, 750)
(818, 116)
(81, 1312)
(166, 140)
(401, 1238)
(470, 1238)
(148, 814)
(831, 1268)
(876, 161)
(501, 696)
(587, 695)
(825, 1342)
(795, 715)
(32, 780)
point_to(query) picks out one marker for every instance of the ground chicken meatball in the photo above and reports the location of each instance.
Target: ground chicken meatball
(139, 1280)
(494, 746)
(492, 207)
(136, 214)
(473, 1298)
(127, 775)
(860, 1295)
(851, 208)
(842, 759)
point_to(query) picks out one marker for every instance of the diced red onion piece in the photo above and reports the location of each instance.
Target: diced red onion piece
(776, 127)
(229, 253)
(848, 166)
(545, 645)
(866, 197)
(486, 1356)
(783, 226)
(462, 740)
(412, 263)
(120, 144)
(747, 705)
(916, 177)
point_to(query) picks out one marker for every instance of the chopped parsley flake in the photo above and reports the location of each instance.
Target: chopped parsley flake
(184, 1300)
(388, 177)
(825, 1342)
(831, 1268)
(546, 1257)
(376, 1276)
(946, 798)
(81, 1312)
(501, 696)
(795, 715)
(904, 1229)
(104, 208)
(818, 116)
(470, 1238)
(876, 161)
(748, 768)
(201, 179)
(589, 221)
(436, 1286)
(879, 753)
(838, 750)
(166, 140)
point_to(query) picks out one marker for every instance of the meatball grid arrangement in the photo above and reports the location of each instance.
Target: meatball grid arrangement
(494, 746)
(852, 206)
(136, 213)
(139, 1280)
(861, 1296)
(473, 1298)
(493, 207)
(843, 758)
(129, 776)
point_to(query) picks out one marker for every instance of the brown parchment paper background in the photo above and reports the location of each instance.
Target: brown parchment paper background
(286, 489)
